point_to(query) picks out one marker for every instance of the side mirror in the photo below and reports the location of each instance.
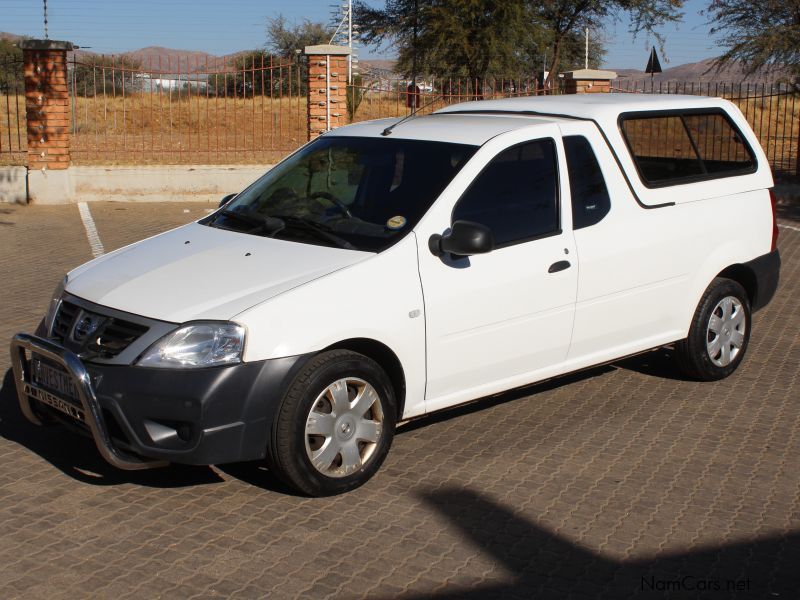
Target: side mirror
(465, 239)
(226, 199)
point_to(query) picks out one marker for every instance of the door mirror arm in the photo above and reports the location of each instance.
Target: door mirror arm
(464, 239)
(226, 199)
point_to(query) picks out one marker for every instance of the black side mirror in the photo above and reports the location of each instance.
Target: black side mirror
(465, 239)
(226, 199)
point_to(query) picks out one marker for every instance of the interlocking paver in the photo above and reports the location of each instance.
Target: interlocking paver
(595, 485)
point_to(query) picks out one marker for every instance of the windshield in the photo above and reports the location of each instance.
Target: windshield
(357, 193)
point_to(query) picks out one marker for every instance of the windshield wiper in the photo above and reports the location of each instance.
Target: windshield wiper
(320, 230)
(270, 225)
(274, 224)
(241, 217)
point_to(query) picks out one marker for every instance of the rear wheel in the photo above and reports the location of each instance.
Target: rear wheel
(335, 424)
(719, 333)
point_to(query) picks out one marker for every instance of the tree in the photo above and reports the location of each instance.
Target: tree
(286, 40)
(448, 37)
(758, 34)
(470, 38)
(11, 81)
(564, 18)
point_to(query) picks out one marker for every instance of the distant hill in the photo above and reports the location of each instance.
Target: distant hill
(703, 71)
(185, 61)
(4, 35)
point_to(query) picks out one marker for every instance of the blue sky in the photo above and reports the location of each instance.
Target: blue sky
(222, 27)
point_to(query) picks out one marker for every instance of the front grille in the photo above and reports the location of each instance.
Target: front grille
(110, 338)
(114, 336)
(65, 317)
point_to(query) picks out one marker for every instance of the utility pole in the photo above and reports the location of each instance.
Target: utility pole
(344, 30)
(350, 41)
(414, 59)
(586, 65)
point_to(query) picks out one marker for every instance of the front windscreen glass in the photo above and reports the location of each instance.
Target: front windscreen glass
(356, 193)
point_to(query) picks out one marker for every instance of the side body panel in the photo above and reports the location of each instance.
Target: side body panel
(375, 299)
(501, 316)
(642, 271)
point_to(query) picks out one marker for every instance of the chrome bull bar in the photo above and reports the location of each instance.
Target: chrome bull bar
(91, 415)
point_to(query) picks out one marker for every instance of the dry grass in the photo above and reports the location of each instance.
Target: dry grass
(159, 129)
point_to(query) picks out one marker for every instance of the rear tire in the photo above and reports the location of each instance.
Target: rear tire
(335, 424)
(719, 333)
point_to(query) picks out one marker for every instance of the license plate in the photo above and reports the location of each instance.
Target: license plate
(53, 379)
(54, 401)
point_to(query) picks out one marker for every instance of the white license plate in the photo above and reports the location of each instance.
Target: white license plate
(52, 379)
(45, 397)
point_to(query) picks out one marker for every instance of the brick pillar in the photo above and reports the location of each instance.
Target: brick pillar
(588, 81)
(327, 88)
(46, 103)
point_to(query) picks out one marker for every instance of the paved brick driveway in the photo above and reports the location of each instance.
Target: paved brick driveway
(616, 482)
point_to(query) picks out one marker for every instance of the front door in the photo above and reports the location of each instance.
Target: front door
(494, 320)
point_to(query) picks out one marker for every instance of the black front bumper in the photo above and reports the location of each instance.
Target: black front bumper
(767, 269)
(144, 417)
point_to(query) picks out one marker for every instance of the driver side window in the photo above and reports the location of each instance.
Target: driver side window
(516, 194)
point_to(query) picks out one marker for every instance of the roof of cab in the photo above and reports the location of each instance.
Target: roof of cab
(459, 123)
(586, 106)
(457, 129)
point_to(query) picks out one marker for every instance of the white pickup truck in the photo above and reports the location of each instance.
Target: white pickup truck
(391, 269)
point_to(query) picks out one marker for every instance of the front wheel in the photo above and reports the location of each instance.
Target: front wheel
(335, 424)
(719, 333)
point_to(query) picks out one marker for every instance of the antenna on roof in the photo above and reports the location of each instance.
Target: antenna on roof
(46, 34)
(414, 112)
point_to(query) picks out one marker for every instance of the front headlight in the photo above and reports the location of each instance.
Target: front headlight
(55, 302)
(195, 346)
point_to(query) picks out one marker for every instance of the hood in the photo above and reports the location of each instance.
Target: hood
(199, 272)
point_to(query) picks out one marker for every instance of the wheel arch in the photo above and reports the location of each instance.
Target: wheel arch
(386, 358)
(744, 276)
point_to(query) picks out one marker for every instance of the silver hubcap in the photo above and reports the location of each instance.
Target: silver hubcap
(726, 329)
(343, 427)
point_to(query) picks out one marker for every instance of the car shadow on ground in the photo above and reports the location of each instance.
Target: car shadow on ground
(654, 363)
(660, 363)
(78, 457)
(788, 208)
(545, 564)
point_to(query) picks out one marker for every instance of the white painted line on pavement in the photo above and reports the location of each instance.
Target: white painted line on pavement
(91, 231)
(789, 227)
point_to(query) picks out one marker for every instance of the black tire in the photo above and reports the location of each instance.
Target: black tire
(288, 455)
(693, 356)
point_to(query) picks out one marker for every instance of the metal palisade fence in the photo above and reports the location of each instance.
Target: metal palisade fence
(185, 109)
(13, 134)
(377, 96)
(253, 108)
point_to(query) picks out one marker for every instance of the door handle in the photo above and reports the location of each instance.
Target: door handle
(559, 266)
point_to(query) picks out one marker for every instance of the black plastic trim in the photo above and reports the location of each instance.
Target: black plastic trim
(767, 269)
(219, 414)
(156, 329)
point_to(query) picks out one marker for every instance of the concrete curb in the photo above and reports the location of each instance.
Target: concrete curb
(176, 183)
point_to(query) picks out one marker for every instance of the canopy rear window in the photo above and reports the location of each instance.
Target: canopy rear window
(675, 147)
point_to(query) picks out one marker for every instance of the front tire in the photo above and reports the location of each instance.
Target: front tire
(335, 424)
(719, 333)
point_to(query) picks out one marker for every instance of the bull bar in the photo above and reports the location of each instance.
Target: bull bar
(23, 343)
